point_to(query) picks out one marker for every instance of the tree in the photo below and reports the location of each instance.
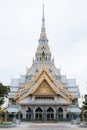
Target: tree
(84, 109)
(85, 103)
(3, 93)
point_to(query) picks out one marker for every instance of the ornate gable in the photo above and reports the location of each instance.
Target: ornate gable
(44, 89)
(44, 84)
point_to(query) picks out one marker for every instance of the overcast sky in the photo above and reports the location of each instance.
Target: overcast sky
(66, 27)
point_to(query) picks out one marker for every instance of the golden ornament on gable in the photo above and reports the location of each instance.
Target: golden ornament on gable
(44, 89)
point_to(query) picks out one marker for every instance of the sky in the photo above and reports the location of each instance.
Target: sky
(66, 27)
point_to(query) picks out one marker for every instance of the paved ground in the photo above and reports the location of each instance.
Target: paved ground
(45, 126)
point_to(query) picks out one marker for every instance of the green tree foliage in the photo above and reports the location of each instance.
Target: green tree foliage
(3, 93)
(85, 103)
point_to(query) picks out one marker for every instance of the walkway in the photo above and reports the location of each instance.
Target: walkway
(45, 126)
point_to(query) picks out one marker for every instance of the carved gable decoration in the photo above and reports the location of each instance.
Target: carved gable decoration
(44, 84)
(44, 89)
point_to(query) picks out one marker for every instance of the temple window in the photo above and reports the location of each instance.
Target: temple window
(13, 102)
(40, 58)
(46, 58)
(43, 56)
(50, 70)
(36, 70)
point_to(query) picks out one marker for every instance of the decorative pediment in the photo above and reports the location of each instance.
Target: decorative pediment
(44, 89)
(44, 84)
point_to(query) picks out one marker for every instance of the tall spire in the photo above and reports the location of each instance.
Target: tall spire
(43, 36)
(43, 21)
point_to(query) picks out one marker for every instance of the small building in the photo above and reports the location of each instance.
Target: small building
(43, 93)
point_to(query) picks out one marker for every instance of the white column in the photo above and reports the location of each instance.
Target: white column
(64, 115)
(24, 114)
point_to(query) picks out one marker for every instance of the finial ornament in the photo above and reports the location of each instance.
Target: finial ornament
(43, 21)
(43, 36)
(43, 10)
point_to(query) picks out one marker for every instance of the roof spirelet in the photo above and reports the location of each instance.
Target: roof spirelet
(43, 36)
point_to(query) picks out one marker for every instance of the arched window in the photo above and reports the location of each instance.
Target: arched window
(28, 113)
(60, 113)
(40, 58)
(43, 56)
(38, 113)
(46, 58)
(50, 114)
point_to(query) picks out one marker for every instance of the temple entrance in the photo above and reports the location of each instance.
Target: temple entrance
(38, 114)
(60, 113)
(28, 113)
(50, 114)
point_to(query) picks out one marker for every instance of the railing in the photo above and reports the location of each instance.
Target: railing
(47, 117)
